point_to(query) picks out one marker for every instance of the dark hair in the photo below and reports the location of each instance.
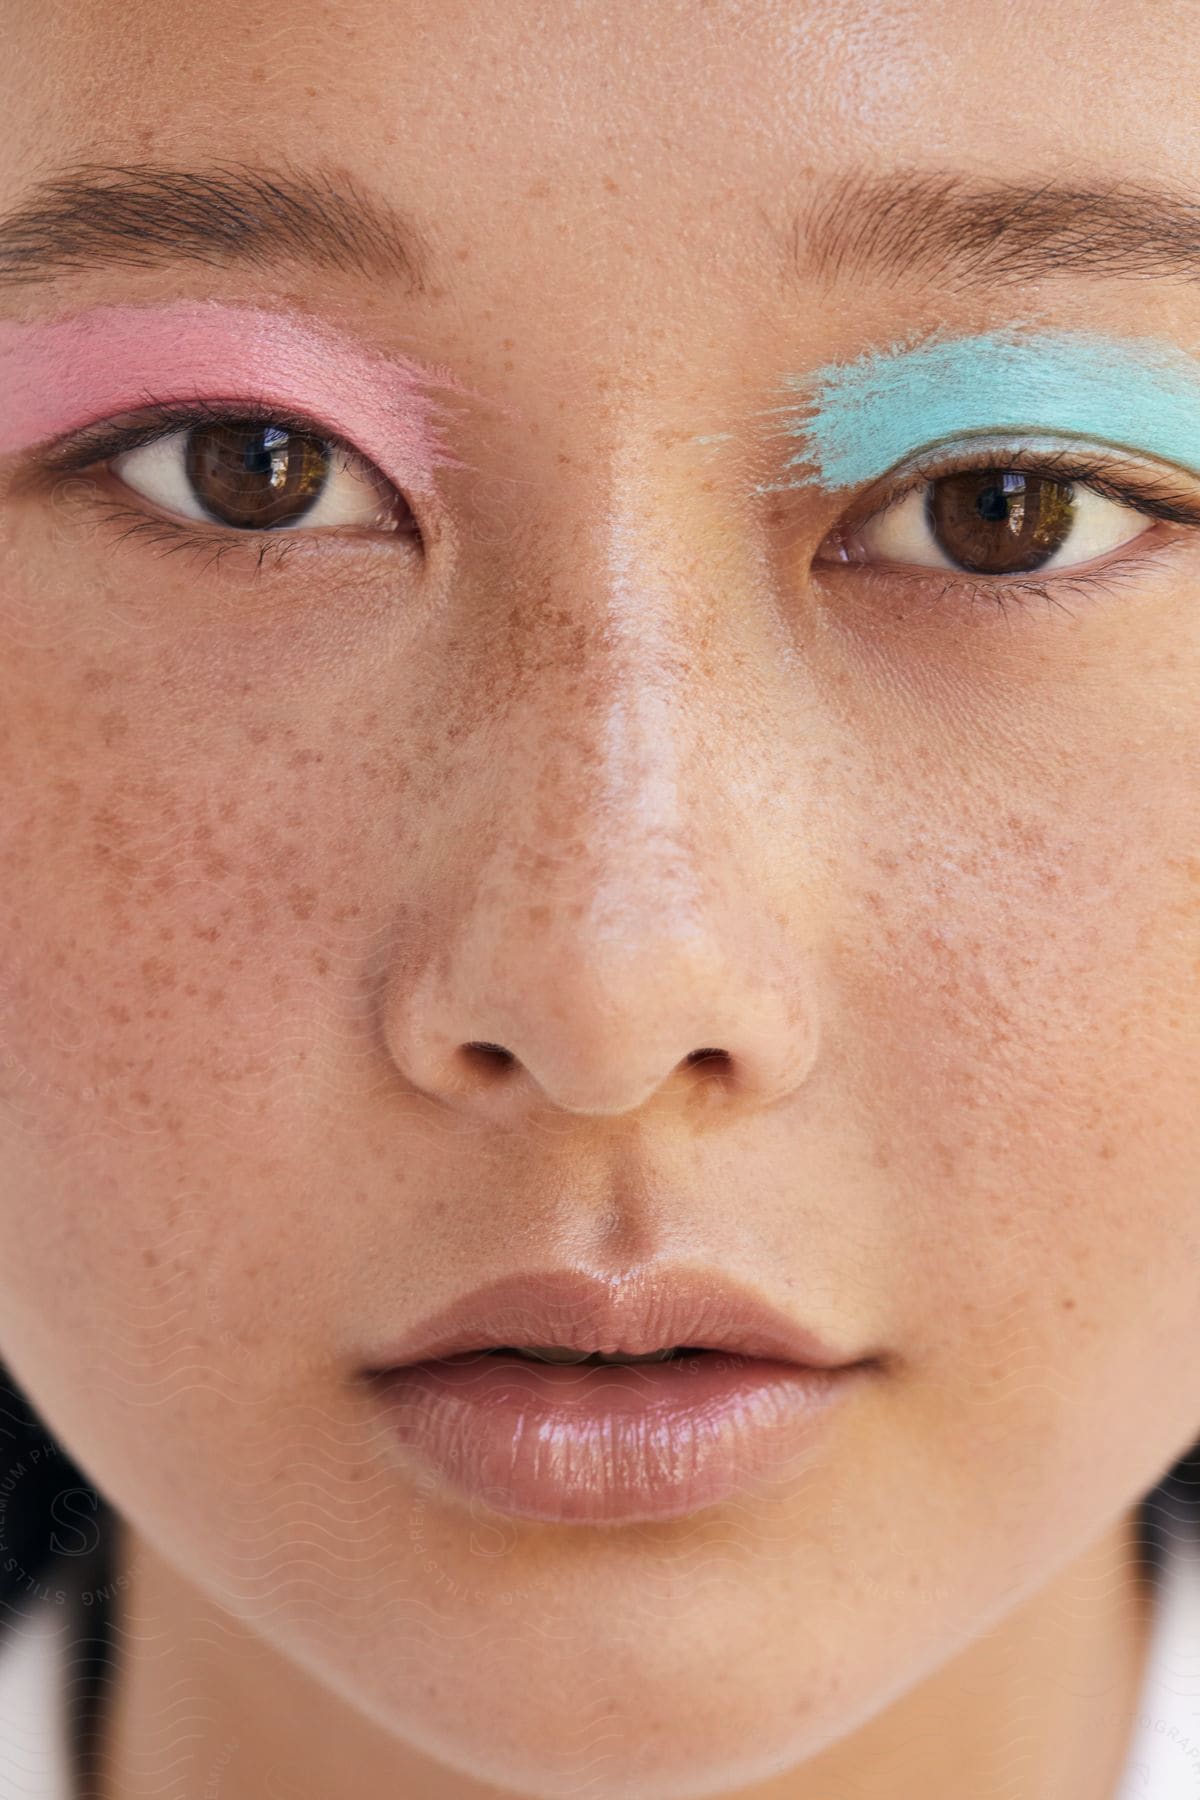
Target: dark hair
(54, 1521)
(37, 1474)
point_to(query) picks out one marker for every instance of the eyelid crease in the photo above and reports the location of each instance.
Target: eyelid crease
(101, 441)
(1120, 477)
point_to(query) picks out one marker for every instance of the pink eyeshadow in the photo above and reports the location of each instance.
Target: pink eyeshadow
(57, 377)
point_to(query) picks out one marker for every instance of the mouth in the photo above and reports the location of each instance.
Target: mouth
(567, 1399)
(558, 1353)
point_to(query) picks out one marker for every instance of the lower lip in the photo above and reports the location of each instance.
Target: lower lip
(610, 1444)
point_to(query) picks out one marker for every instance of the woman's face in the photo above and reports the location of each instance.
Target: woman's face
(617, 761)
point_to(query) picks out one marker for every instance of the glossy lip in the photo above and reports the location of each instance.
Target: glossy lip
(631, 1315)
(610, 1444)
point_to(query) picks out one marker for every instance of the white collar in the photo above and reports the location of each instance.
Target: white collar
(1164, 1750)
(35, 1762)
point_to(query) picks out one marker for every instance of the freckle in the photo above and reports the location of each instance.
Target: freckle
(214, 997)
(346, 912)
(610, 186)
(320, 962)
(1068, 1305)
(96, 680)
(158, 974)
(1106, 1151)
(149, 1259)
(190, 989)
(140, 1097)
(258, 73)
(258, 734)
(113, 727)
(120, 1015)
(164, 883)
(227, 810)
(302, 901)
(166, 933)
(210, 933)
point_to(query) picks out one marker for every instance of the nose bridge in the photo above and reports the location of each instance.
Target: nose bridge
(636, 709)
(614, 911)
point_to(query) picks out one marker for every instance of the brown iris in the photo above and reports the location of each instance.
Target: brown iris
(999, 521)
(255, 475)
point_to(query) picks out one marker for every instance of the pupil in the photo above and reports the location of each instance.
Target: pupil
(992, 504)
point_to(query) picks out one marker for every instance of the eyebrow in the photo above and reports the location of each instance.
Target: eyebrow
(972, 233)
(968, 232)
(96, 215)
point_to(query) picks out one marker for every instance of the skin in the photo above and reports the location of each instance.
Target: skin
(927, 876)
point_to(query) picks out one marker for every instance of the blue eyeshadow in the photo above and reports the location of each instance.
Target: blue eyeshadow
(856, 420)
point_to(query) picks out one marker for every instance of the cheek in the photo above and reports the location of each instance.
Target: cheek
(180, 949)
(1026, 1019)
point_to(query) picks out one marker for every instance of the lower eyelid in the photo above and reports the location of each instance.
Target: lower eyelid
(933, 590)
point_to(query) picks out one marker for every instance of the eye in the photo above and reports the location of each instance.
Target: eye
(257, 475)
(991, 522)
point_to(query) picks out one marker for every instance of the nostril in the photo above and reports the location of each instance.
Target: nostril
(495, 1052)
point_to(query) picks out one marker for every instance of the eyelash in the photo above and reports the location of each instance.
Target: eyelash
(1108, 477)
(1153, 496)
(102, 442)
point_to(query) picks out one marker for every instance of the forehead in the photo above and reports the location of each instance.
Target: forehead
(609, 200)
(471, 105)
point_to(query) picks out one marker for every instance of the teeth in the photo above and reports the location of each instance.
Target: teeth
(558, 1354)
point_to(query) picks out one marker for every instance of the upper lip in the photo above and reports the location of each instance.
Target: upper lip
(630, 1315)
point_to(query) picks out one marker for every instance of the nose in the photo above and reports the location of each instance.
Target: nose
(617, 916)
